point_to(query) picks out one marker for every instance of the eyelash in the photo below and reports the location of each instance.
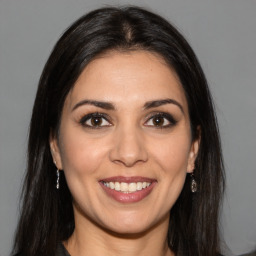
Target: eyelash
(88, 117)
(170, 119)
(166, 116)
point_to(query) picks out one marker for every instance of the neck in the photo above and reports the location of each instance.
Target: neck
(90, 239)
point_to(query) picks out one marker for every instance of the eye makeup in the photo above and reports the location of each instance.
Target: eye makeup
(95, 120)
(160, 120)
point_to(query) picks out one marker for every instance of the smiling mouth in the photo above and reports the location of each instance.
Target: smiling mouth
(126, 187)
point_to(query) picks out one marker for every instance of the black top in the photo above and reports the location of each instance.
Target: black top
(61, 250)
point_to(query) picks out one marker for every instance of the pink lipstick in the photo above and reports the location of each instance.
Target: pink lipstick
(127, 189)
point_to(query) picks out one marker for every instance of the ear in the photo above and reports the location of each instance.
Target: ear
(193, 152)
(55, 151)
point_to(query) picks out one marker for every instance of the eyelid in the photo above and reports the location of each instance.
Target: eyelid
(167, 116)
(172, 121)
(87, 117)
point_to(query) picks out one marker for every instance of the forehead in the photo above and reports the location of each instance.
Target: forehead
(132, 77)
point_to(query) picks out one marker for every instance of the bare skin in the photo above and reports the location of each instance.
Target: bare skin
(126, 118)
(103, 242)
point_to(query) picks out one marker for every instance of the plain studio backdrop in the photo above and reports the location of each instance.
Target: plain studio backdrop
(223, 35)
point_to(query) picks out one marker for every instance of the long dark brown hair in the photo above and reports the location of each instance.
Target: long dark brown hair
(47, 214)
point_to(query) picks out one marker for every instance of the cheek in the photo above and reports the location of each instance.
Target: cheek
(81, 157)
(172, 157)
(80, 154)
(172, 154)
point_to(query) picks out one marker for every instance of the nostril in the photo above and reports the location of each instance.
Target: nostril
(128, 147)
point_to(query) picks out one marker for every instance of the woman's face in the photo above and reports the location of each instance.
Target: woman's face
(125, 142)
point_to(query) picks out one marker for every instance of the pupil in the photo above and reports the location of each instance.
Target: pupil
(96, 121)
(158, 121)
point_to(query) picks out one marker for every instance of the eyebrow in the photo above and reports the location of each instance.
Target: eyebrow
(110, 106)
(158, 103)
(100, 104)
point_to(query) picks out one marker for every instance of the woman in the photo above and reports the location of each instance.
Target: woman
(124, 156)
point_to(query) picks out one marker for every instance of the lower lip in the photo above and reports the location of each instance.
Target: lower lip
(131, 197)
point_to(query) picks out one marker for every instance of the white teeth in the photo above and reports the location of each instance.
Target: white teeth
(112, 185)
(127, 187)
(124, 187)
(139, 185)
(132, 187)
(117, 186)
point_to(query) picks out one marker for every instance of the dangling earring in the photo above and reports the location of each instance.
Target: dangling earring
(193, 184)
(58, 176)
(58, 179)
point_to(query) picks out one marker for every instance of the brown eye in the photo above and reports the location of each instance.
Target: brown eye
(158, 120)
(161, 120)
(95, 120)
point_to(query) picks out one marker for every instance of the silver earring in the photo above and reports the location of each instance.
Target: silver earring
(58, 179)
(193, 184)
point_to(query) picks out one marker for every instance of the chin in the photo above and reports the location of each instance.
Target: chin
(133, 226)
(131, 231)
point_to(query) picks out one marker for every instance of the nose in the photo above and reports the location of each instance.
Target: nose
(128, 147)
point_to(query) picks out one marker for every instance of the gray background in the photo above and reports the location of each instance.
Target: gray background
(223, 35)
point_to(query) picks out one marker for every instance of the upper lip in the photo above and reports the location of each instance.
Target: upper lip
(127, 179)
